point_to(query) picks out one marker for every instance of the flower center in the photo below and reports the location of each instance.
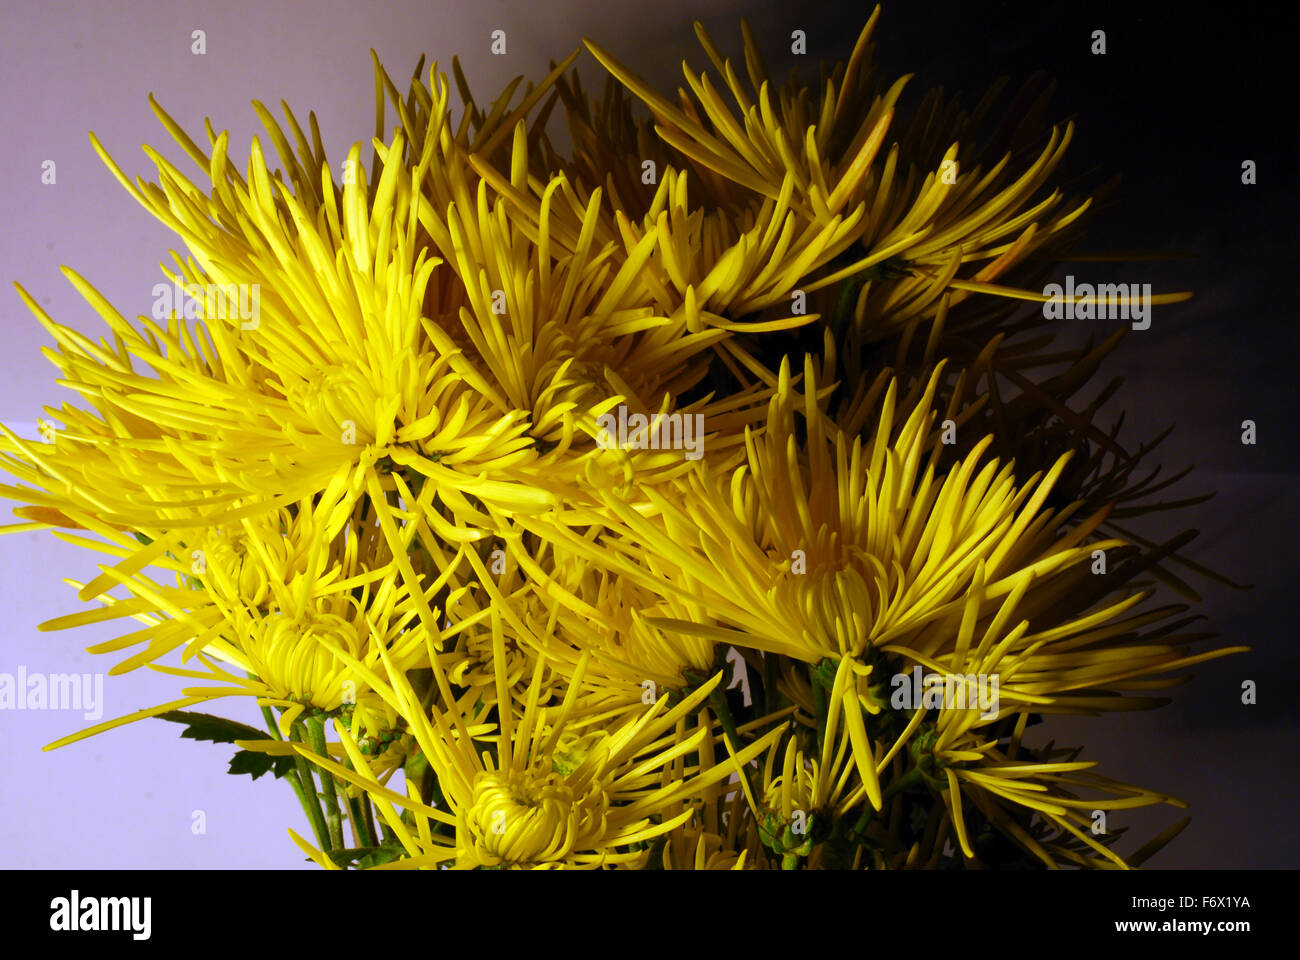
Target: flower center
(516, 818)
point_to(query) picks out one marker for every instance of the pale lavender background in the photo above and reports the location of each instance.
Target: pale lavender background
(126, 798)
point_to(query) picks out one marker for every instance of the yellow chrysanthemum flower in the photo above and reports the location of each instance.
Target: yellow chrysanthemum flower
(390, 457)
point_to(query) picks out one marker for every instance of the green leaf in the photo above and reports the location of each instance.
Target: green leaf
(255, 764)
(204, 726)
(363, 857)
(381, 855)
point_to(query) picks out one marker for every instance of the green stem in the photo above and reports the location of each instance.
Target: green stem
(359, 809)
(846, 302)
(333, 813)
(819, 707)
(439, 801)
(269, 717)
(295, 781)
(365, 838)
(309, 792)
(718, 701)
(770, 668)
(911, 778)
